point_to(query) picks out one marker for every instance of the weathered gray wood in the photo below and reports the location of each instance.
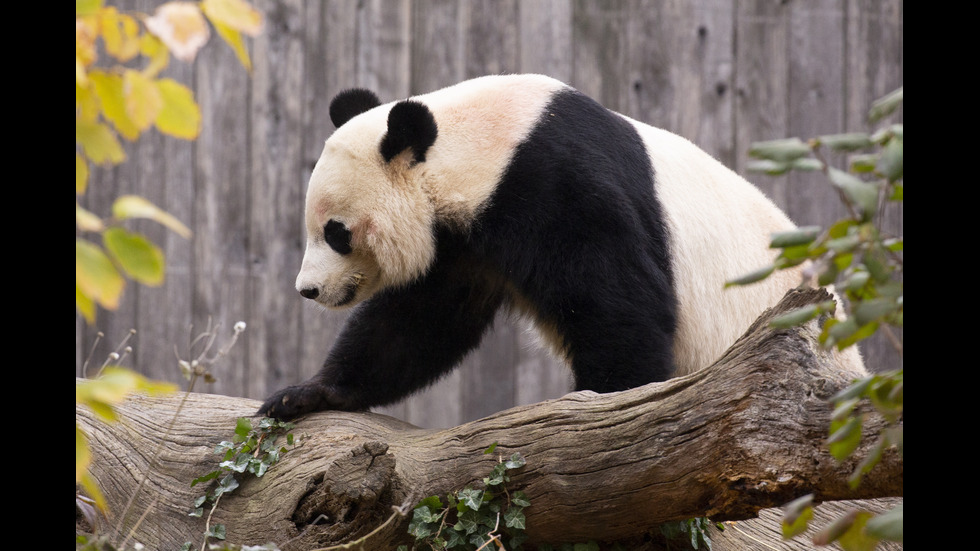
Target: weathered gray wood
(277, 188)
(600, 50)
(681, 58)
(221, 215)
(722, 73)
(721, 442)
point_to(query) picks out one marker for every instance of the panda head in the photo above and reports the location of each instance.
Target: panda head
(369, 221)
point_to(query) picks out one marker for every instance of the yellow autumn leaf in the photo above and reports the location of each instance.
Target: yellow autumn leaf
(234, 39)
(109, 89)
(85, 304)
(87, 7)
(181, 26)
(83, 456)
(180, 116)
(114, 386)
(98, 142)
(87, 221)
(133, 206)
(139, 258)
(95, 275)
(120, 34)
(81, 78)
(153, 49)
(86, 32)
(237, 15)
(86, 102)
(81, 177)
(142, 99)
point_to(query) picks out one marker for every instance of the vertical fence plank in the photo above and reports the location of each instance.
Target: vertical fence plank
(681, 56)
(545, 36)
(600, 50)
(275, 154)
(761, 84)
(221, 216)
(816, 96)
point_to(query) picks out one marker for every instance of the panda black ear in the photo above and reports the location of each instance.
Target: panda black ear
(410, 125)
(350, 103)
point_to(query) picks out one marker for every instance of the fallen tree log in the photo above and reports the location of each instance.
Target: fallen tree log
(742, 435)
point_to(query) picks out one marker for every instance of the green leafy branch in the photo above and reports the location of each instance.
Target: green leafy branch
(866, 265)
(690, 534)
(472, 519)
(854, 254)
(253, 450)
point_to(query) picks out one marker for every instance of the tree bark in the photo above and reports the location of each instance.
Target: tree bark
(741, 435)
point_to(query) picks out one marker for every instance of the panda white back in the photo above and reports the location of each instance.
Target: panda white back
(433, 213)
(720, 229)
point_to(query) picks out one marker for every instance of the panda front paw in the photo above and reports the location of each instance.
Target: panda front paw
(294, 401)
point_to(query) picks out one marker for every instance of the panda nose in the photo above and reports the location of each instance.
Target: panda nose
(310, 293)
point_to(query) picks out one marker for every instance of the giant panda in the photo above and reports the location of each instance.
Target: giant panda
(615, 238)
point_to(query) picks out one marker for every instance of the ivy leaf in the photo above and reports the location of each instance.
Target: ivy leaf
(217, 531)
(471, 498)
(210, 476)
(242, 427)
(514, 518)
(432, 502)
(516, 461)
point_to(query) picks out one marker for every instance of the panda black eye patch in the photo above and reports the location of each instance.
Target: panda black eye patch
(337, 236)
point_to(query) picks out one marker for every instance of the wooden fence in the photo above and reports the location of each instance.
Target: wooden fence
(723, 73)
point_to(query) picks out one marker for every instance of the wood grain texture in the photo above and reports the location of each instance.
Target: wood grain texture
(742, 435)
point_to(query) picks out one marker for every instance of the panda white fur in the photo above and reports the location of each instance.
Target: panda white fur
(614, 237)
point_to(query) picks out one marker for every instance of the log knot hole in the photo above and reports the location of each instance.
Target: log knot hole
(351, 496)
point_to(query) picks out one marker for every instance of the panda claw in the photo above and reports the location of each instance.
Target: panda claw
(295, 401)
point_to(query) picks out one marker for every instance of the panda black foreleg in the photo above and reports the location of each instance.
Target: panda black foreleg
(397, 343)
